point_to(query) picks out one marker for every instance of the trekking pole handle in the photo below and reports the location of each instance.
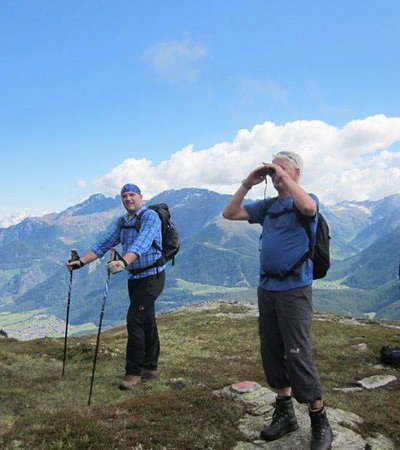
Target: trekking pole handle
(74, 255)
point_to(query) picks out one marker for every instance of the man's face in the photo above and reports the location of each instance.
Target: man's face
(287, 166)
(132, 201)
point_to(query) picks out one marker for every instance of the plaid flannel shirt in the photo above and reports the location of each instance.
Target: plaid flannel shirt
(135, 242)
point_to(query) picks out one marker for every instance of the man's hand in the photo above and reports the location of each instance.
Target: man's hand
(75, 264)
(254, 177)
(276, 172)
(116, 266)
(276, 168)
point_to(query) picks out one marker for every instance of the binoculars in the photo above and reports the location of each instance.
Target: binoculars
(266, 171)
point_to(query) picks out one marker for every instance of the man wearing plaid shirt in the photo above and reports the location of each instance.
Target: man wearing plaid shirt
(141, 249)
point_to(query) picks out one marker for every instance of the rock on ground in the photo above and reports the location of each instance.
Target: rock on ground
(259, 402)
(376, 381)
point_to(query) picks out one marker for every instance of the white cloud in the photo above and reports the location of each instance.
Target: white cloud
(356, 162)
(176, 60)
(81, 184)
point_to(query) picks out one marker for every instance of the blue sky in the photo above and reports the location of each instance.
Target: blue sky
(97, 93)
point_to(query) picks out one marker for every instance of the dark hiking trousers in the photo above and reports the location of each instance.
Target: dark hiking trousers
(143, 346)
(285, 319)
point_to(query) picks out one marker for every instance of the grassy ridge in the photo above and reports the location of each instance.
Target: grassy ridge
(202, 350)
(39, 323)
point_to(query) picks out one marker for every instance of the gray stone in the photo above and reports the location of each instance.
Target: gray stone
(248, 446)
(376, 381)
(251, 426)
(380, 442)
(346, 426)
(244, 387)
(349, 389)
(362, 347)
(351, 321)
(261, 395)
(346, 418)
(345, 438)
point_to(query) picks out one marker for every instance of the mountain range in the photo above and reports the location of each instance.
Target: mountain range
(218, 258)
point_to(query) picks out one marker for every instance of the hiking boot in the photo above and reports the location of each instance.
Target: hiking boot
(283, 421)
(129, 382)
(149, 374)
(322, 435)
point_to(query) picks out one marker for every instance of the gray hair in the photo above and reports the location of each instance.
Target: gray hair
(293, 158)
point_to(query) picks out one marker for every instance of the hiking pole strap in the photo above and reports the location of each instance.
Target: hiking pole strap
(117, 256)
(74, 255)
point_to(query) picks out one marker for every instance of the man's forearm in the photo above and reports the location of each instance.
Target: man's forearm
(304, 203)
(89, 257)
(130, 257)
(234, 209)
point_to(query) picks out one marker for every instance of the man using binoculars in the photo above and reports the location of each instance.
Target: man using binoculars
(285, 294)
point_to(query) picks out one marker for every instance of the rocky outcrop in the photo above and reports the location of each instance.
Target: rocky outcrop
(348, 428)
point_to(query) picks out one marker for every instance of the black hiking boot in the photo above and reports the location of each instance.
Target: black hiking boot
(322, 435)
(283, 421)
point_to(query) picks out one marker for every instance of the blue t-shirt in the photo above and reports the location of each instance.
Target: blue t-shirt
(283, 241)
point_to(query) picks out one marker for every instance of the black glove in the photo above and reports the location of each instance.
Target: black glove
(75, 264)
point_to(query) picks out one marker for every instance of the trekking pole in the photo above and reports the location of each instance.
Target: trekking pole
(74, 257)
(112, 258)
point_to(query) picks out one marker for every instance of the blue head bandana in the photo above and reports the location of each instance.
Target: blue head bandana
(130, 187)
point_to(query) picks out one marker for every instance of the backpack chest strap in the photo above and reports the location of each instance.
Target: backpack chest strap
(274, 215)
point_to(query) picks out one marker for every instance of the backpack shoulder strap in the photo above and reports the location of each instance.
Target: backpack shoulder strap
(121, 223)
(138, 222)
(267, 204)
(274, 215)
(305, 222)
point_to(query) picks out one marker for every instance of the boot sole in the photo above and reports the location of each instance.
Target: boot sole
(277, 436)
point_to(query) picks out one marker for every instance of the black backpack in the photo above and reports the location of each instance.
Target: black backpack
(390, 356)
(318, 252)
(170, 236)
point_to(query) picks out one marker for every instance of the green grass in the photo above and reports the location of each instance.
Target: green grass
(7, 275)
(334, 284)
(11, 321)
(202, 350)
(198, 289)
(15, 323)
